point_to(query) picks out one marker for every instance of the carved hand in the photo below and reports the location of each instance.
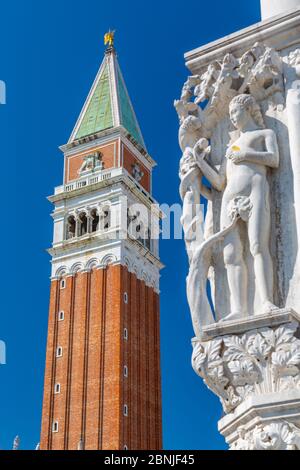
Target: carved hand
(236, 156)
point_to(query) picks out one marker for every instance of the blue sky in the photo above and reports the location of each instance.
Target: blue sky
(50, 53)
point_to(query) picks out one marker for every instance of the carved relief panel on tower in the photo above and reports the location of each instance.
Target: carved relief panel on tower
(78, 164)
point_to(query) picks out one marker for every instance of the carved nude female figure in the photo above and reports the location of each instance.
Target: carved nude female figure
(243, 174)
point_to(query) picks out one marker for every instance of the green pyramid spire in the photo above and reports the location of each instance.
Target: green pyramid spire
(108, 104)
(98, 115)
(127, 117)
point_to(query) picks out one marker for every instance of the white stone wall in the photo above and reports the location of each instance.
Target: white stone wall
(271, 8)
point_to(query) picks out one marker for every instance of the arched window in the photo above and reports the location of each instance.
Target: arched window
(61, 315)
(94, 220)
(55, 426)
(71, 227)
(59, 351)
(82, 224)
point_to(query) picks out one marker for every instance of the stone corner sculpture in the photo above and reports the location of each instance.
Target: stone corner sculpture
(234, 120)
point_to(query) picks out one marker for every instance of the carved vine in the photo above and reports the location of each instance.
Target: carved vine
(206, 97)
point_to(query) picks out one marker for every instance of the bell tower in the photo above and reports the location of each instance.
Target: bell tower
(102, 378)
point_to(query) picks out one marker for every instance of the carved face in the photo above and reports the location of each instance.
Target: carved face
(239, 115)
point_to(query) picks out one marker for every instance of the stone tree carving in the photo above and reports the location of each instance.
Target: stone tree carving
(232, 88)
(250, 352)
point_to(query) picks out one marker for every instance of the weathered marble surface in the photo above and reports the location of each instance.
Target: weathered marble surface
(239, 115)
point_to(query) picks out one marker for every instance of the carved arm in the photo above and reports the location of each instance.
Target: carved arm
(217, 179)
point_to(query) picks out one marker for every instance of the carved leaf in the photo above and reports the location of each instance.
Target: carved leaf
(294, 358)
(214, 349)
(257, 346)
(232, 397)
(285, 334)
(243, 372)
(287, 383)
(198, 358)
(235, 349)
(216, 374)
(286, 358)
(245, 391)
(269, 336)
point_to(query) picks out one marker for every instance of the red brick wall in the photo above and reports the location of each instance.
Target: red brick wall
(95, 366)
(129, 159)
(91, 370)
(49, 369)
(142, 389)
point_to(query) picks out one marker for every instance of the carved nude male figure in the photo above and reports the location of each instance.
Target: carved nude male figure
(243, 174)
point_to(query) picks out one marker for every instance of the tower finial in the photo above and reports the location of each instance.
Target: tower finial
(109, 39)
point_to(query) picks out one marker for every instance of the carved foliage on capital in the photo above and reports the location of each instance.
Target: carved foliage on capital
(279, 435)
(239, 366)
